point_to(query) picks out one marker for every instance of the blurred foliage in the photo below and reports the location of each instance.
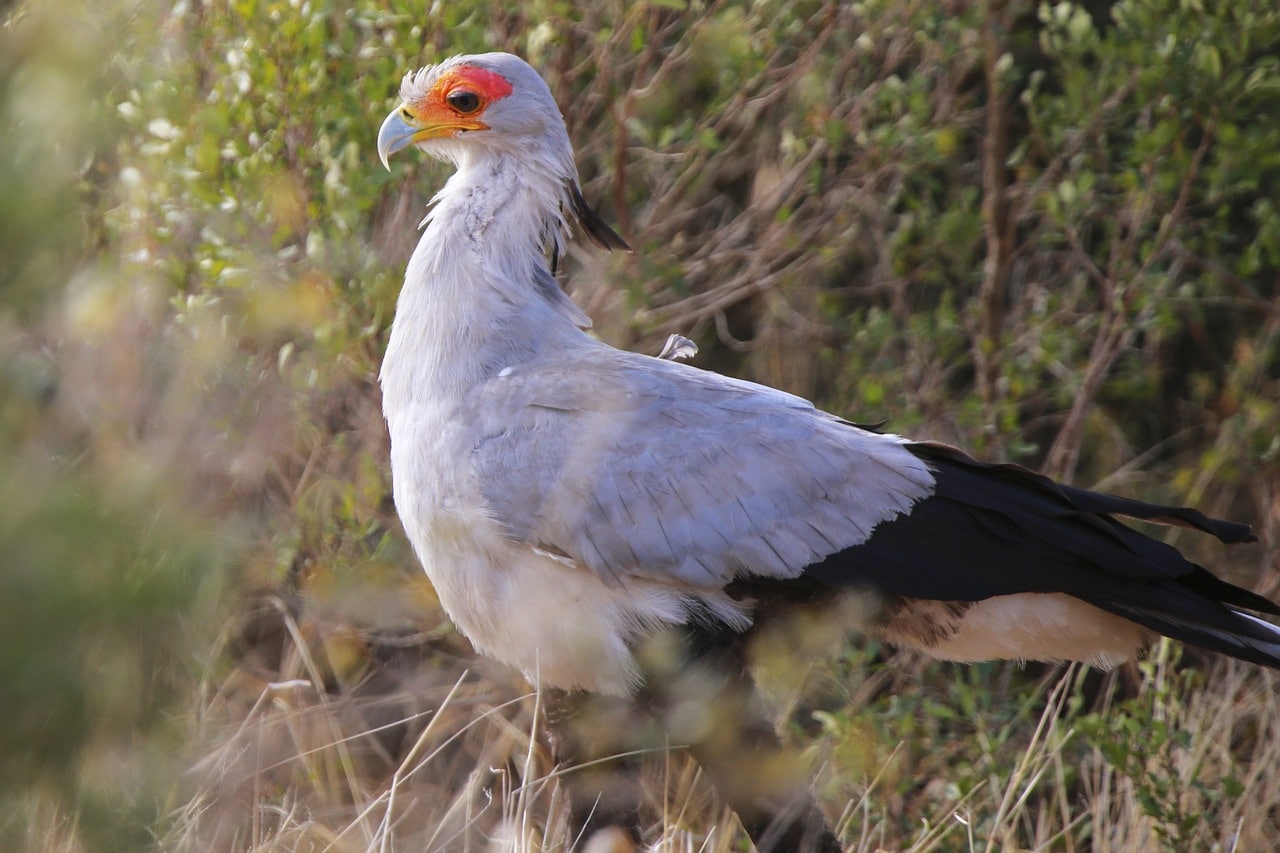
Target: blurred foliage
(1047, 232)
(107, 585)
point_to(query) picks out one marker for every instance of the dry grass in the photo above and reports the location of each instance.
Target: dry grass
(393, 741)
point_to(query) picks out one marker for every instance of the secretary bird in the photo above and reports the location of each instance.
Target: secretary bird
(578, 507)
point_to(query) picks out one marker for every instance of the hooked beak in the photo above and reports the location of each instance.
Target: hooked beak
(395, 134)
(404, 127)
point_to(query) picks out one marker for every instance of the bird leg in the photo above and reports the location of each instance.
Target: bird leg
(594, 739)
(699, 686)
(698, 692)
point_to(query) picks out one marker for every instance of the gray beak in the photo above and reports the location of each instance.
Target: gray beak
(394, 135)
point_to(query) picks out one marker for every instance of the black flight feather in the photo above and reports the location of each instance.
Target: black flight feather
(596, 229)
(992, 530)
(593, 226)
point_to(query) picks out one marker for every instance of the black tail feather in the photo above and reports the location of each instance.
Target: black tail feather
(1227, 632)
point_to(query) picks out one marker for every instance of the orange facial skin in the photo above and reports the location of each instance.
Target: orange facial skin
(455, 103)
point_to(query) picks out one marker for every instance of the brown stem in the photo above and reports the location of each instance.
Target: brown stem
(996, 222)
(1117, 328)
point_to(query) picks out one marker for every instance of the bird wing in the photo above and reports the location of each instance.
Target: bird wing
(635, 466)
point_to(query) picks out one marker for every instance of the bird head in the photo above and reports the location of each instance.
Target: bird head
(469, 104)
(491, 104)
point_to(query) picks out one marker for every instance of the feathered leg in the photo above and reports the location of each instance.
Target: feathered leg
(698, 693)
(591, 738)
(699, 686)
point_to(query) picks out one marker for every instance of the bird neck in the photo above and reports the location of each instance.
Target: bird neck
(478, 295)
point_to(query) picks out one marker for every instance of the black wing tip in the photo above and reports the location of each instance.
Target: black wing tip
(1226, 532)
(1101, 503)
(593, 226)
(967, 480)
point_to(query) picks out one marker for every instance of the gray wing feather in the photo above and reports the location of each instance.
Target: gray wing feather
(635, 466)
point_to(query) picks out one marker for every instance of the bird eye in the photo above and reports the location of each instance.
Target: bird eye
(463, 101)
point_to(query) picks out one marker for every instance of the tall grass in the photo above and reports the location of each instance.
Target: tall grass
(456, 762)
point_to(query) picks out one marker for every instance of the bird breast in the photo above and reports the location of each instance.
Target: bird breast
(560, 624)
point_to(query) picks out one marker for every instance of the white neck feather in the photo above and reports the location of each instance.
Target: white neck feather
(478, 295)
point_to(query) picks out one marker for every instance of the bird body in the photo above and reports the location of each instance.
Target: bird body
(503, 431)
(519, 443)
(569, 500)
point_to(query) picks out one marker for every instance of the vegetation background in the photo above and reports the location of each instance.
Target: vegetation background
(1046, 232)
